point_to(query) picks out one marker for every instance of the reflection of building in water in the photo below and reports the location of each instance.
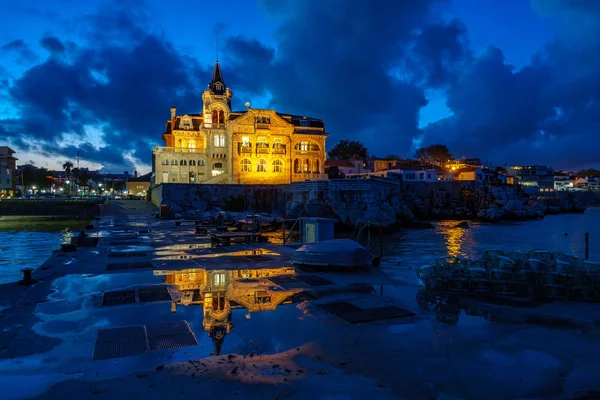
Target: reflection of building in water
(220, 291)
(454, 236)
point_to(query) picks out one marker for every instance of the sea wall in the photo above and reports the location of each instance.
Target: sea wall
(349, 201)
(75, 209)
(183, 197)
(461, 200)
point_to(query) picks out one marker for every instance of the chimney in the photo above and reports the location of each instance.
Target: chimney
(173, 113)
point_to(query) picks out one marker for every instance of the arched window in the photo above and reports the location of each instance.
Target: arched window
(246, 165)
(182, 162)
(221, 117)
(318, 167)
(165, 162)
(307, 146)
(201, 163)
(191, 144)
(215, 117)
(297, 166)
(306, 166)
(192, 176)
(217, 169)
(173, 162)
(180, 143)
(192, 163)
(277, 166)
(262, 166)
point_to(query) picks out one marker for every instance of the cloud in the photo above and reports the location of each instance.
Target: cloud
(21, 49)
(52, 44)
(339, 60)
(542, 113)
(125, 85)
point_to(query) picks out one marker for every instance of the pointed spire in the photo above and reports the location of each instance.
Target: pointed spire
(218, 337)
(217, 84)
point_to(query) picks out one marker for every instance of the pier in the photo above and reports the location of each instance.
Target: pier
(153, 308)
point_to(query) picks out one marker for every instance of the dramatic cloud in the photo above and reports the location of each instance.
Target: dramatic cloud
(342, 66)
(546, 113)
(122, 88)
(364, 67)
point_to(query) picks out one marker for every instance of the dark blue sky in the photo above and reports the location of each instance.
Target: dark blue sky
(510, 81)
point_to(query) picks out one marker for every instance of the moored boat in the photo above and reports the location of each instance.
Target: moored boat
(344, 253)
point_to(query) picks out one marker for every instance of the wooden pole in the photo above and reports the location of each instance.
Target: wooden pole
(587, 245)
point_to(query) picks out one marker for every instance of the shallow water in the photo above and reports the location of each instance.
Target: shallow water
(29, 247)
(564, 233)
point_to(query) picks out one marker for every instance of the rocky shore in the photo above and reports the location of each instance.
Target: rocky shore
(353, 202)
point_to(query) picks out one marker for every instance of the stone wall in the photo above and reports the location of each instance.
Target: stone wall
(51, 207)
(183, 197)
(348, 200)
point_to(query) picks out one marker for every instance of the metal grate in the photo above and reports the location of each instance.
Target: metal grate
(129, 265)
(135, 340)
(118, 297)
(170, 335)
(160, 293)
(356, 315)
(279, 279)
(120, 342)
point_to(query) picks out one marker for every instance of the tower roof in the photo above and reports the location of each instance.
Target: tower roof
(217, 84)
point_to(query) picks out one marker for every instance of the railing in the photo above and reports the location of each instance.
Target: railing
(308, 152)
(214, 126)
(263, 126)
(285, 237)
(278, 150)
(371, 242)
(262, 150)
(245, 149)
(164, 149)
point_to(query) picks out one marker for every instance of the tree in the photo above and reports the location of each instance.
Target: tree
(346, 149)
(68, 166)
(588, 172)
(434, 154)
(37, 177)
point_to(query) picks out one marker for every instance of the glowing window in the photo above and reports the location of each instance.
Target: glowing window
(262, 166)
(246, 165)
(277, 166)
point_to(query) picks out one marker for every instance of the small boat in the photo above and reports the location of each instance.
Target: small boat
(333, 253)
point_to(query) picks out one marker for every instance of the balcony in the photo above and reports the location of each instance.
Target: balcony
(263, 126)
(164, 149)
(279, 150)
(214, 126)
(264, 149)
(244, 148)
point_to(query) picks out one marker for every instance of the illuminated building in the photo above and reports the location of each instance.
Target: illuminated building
(220, 291)
(255, 146)
(8, 170)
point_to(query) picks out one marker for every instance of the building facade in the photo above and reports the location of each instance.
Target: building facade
(255, 146)
(8, 172)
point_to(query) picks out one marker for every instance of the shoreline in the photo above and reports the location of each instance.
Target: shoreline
(291, 350)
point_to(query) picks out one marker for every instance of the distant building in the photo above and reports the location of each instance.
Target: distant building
(532, 178)
(454, 165)
(421, 174)
(563, 182)
(8, 172)
(481, 176)
(254, 146)
(138, 186)
(345, 167)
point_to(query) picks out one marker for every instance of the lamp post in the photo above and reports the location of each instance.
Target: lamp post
(69, 187)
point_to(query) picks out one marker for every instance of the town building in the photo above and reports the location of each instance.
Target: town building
(8, 172)
(344, 167)
(532, 178)
(139, 185)
(255, 146)
(481, 176)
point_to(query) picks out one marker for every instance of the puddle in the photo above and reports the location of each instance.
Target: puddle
(455, 310)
